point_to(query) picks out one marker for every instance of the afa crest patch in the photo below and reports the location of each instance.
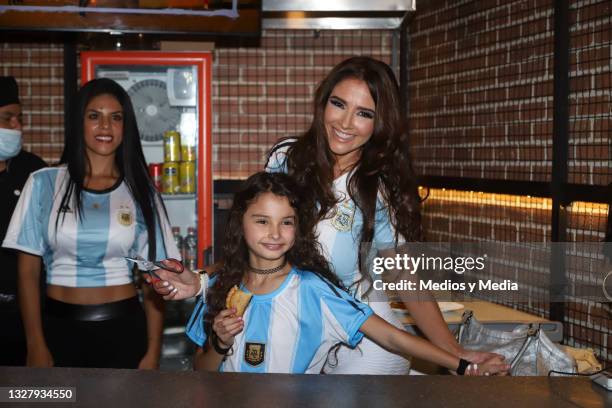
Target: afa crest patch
(125, 217)
(343, 216)
(254, 353)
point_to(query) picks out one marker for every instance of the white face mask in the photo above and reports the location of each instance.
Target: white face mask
(10, 143)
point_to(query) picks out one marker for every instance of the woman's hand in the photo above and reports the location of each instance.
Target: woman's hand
(492, 366)
(227, 325)
(150, 361)
(175, 286)
(39, 356)
(474, 356)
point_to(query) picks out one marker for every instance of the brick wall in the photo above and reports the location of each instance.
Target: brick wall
(590, 151)
(481, 106)
(261, 94)
(39, 71)
(481, 89)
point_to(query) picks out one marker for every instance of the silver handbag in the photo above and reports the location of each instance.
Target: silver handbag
(527, 348)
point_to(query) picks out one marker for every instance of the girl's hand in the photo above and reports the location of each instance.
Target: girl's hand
(39, 356)
(227, 325)
(492, 366)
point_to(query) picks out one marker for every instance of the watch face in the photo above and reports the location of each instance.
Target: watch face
(153, 111)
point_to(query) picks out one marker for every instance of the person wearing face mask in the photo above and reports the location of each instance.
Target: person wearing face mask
(15, 167)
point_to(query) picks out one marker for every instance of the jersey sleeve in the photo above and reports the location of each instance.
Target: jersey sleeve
(164, 241)
(277, 158)
(26, 230)
(195, 326)
(343, 315)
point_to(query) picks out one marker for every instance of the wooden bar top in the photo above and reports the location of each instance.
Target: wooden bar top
(487, 312)
(149, 389)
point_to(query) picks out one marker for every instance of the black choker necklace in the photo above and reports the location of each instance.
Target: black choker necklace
(268, 271)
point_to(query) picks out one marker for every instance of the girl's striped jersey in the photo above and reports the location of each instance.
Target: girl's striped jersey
(291, 329)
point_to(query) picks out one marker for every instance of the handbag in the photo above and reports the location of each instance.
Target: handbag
(527, 348)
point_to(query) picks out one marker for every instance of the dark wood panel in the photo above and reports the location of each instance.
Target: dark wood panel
(248, 22)
(135, 388)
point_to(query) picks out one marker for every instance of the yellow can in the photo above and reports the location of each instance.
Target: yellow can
(170, 178)
(188, 153)
(172, 146)
(188, 179)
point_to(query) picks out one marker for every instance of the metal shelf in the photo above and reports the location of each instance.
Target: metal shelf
(191, 196)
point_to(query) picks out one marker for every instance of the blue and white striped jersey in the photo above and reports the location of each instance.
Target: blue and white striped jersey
(291, 329)
(339, 233)
(89, 253)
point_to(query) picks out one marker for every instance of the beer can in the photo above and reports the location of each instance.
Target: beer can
(155, 171)
(172, 146)
(188, 153)
(187, 174)
(188, 146)
(170, 178)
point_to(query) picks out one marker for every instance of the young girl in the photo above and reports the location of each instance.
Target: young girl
(298, 311)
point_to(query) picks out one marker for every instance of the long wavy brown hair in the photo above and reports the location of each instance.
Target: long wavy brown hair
(305, 253)
(384, 166)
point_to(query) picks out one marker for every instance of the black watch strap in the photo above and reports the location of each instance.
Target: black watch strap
(463, 365)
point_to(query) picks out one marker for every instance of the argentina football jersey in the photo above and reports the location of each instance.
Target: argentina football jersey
(85, 251)
(291, 329)
(339, 232)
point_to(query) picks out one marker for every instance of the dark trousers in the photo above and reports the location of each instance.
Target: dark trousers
(116, 338)
(12, 337)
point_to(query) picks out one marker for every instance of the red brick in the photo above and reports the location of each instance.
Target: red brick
(594, 12)
(276, 42)
(306, 74)
(602, 37)
(226, 106)
(227, 72)
(289, 125)
(240, 121)
(313, 42)
(262, 74)
(242, 90)
(460, 227)
(285, 60)
(268, 107)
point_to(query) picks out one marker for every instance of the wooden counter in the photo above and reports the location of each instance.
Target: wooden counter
(496, 317)
(149, 389)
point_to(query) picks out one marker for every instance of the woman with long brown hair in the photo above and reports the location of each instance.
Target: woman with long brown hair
(355, 160)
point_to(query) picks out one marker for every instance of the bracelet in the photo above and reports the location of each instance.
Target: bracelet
(220, 350)
(463, 365)
(203, 282)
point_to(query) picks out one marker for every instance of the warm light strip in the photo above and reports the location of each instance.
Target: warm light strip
(581, 207)
(507, 200)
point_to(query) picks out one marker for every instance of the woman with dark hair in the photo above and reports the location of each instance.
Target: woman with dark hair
(82, 219)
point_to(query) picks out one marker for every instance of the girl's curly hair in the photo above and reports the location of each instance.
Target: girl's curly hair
(305, 254)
